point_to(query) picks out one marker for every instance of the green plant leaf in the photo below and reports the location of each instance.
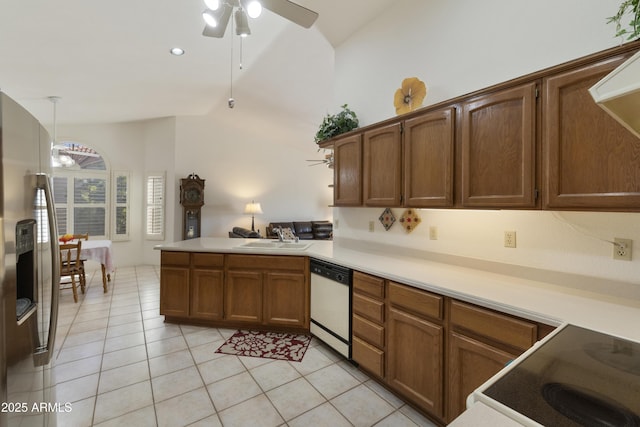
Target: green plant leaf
(333, 125)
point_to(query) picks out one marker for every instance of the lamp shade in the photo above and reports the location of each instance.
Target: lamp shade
(253, 208)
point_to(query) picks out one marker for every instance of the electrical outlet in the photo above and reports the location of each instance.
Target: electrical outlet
(371, 226)
(336, 223)
(433, 233)
(509, 239)
(622, 249)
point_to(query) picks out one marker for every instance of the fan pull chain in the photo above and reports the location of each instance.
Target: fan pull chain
(231, 102)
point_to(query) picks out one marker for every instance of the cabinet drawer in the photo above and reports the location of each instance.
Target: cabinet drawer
(517, 333)
(370, 285)
(368, 357)
(207, 260)
(368, 307)
(368, 331)
(174, 258)
(416, 300)
(269, 262)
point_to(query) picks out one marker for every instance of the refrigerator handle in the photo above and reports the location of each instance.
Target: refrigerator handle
(44, 353)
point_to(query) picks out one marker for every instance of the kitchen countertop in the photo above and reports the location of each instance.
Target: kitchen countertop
(612, 307)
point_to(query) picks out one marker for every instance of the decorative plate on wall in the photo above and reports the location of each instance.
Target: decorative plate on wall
(410, 95)
(387, 219)
(410, 220)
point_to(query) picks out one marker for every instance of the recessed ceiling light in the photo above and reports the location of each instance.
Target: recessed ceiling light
(177, 51)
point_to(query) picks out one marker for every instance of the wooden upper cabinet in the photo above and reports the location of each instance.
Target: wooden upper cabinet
(591, 161)
(382, 160)
(428, 159)
(499, 149)
(347, 170)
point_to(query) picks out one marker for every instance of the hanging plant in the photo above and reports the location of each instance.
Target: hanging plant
(633, 30)
(333, 125)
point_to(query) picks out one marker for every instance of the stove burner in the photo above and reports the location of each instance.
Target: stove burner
(586, 407)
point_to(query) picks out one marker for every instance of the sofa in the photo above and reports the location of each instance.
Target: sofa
(244, 233)
(303, 230)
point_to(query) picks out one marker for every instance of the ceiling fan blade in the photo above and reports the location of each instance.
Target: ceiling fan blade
(222, 26)
(291, 11)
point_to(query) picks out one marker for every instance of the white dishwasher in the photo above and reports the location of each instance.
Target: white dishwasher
(331, 305)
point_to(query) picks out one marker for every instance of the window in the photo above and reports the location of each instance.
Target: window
(120, 203)
(155, 205)
(81, 203)
(81, 193)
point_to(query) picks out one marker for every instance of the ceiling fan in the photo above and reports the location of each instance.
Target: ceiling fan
(219, 12)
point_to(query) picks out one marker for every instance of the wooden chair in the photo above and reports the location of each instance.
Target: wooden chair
(83, 276)
(70, 267)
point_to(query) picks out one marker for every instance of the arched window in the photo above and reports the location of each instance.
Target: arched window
(82, 183)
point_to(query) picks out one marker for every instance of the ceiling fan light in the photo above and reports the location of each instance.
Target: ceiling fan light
(212, 4)
(242, 23)
(254, 8)
(210, 18)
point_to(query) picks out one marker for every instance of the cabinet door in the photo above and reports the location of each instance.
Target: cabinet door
(174, 291)
(206, 294)
(286, 299)
(414, 360)
(382, 160)
(347, 171)
(243, 296)
(499, 149)
(471, 363)
(428, 159)
(591, 160)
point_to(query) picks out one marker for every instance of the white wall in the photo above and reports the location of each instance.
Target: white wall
(121, 145)
(244, 157)
(457, 47)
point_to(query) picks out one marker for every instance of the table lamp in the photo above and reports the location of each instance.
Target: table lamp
(252, 209)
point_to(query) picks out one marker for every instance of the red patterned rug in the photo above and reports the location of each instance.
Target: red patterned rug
(270, 345)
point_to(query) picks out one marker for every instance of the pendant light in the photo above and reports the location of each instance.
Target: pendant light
(58, 160)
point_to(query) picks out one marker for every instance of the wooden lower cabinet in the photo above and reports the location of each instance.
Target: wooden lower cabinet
(207, 294)
(471, 363)
(206, 282)
(243, 296)
(174, 284)
(368, 320)
(285, 295)
(415, 359)
(369, 357)
(265, 290)
(431, 350)
(257, 291)
(481, 343)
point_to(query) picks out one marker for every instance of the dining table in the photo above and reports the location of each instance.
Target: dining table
(100, 251)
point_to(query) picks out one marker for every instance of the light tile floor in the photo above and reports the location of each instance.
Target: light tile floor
(118, 363)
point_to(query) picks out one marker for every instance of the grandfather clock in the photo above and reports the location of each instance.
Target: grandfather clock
(191, 199)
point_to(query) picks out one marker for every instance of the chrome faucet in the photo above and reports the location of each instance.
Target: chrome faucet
(279, 232)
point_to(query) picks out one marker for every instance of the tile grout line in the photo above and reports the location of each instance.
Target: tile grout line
(104, 343)
(146, 348)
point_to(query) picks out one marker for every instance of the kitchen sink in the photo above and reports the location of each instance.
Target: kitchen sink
(275, 244)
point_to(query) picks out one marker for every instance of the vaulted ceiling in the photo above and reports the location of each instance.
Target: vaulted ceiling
(110, 62)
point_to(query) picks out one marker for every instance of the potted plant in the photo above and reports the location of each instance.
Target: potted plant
(633, 30)
(336, 124)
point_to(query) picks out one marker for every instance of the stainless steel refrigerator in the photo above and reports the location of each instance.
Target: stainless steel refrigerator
(29, 271)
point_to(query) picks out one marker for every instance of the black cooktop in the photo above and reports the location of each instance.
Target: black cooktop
(578, 377)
